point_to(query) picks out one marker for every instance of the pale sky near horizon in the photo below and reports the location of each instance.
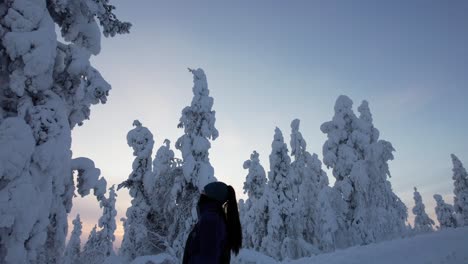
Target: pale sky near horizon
(268, 62)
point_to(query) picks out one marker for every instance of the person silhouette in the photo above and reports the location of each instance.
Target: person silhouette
(218, 230)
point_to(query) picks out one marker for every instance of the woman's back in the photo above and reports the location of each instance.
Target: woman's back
(208, 242)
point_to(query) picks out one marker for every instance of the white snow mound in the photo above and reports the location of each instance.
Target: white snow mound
(442, 247)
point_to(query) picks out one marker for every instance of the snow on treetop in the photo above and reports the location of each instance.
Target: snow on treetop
(140, 139)
(278, 138)
(298, 144)
(295, 124)
(438, 198)
(253, 158)
(343, 103)
(458, 168)
(364, 110)
(198, 118)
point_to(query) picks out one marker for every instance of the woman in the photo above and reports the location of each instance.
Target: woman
(218, 231)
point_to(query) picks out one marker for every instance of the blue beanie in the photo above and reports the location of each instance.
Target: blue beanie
(217, 191)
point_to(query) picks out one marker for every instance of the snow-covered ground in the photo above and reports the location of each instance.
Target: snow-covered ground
(442, 247)
(448, 247)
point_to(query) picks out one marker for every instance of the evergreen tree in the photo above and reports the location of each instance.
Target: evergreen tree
(73, 249)
(330, 219)
(253, 216)
(48, 87)
(360, 165)
(198, 122)
(279, 196)
(100, 243)
(107, 224)
(309, 180)
(460, 178)
(90, 249)
(298, 151)
(422, 222)
(445, 213)
(163, 195)
(135, 241)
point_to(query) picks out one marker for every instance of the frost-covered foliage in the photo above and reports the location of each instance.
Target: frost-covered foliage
(166, 190)
(253, 211)
(135, 241)
(330, 219)
(88, 178)
(107, 223)
(100, 243)
(163, 193)
(47, 87)
(298, 151)
(73, 249)
(445, 213)
(460, 178)
(309, 180)
(280, 198)
(422, 222)
(360, 165)
(255, 182)
(90, 253)
(198, 122)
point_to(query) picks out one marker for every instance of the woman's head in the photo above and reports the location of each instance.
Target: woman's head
(225, 194)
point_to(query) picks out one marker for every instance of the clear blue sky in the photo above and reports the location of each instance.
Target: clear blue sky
(268, 62)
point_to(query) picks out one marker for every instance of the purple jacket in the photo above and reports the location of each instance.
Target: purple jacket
(207, 243)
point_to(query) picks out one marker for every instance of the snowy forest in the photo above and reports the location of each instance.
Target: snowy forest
(292, 210)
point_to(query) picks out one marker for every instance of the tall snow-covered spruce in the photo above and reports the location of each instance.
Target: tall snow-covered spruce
(422, 222)
(100, 243)
(360, 165)
(254, 210)
(460, 182)
(445, 213)
(163, 188)
(279, 194)
(73, 249)
(198, 122)
(47, 87)
(308, 181)
(135, 241)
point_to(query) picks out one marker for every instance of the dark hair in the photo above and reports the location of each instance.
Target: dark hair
(233, 222)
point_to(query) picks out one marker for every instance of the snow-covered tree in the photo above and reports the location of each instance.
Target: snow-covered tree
(47, 87)
(279, 196)
(100, 243)
(107, 223)
(360, 165)
(90, 252)
(163, 194)
(298, 152)
(73, 249)
(255, 182)
(422, 222)
(445, 213)
(135, 241)
(330, 219)
(198, 122)
(309, 180)
(460, 178)
(253, 214)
